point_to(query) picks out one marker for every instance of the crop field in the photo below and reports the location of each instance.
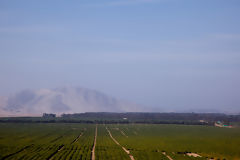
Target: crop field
(52, 141)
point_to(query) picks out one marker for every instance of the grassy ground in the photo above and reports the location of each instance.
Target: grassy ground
(144, 141)
(207, 141)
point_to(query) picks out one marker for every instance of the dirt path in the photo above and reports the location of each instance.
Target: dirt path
(94, 145)
(76, 139)
(124, 134)
(193, 155)
(164, 153)
(125, 150)
(58, 150)
(62, 146)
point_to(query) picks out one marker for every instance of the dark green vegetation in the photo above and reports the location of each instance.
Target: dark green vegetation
(144, 141)
(46, 141)
(131, 117)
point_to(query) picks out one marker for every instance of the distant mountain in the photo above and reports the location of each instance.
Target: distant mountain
(62, 100)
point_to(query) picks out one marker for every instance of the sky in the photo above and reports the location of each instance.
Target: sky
(170, 55)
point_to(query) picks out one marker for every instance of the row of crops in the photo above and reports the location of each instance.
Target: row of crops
(177, 141)
(46, 141)
(68, 141)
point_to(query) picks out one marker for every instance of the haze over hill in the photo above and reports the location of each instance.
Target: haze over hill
(168, 55)
(62, 100)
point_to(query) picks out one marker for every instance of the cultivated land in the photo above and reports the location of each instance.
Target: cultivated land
(117, 141)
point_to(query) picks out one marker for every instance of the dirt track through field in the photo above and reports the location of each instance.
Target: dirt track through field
(164, 153)
(75, 140)
(127, 151)
(94, 145)
(58, 150)
(62, 146)
(124, 134)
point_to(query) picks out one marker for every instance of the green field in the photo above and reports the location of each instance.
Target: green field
(142, 141)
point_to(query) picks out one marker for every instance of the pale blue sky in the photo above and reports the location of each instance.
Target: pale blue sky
(174, 55)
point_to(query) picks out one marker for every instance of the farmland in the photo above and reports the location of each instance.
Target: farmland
(117, 141)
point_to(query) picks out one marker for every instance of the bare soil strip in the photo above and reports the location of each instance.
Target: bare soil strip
(193, 155)
(127, 151)
(164, 153)
(62, 146)
(94, 145)
(7, 156)
(222, 126)
(124, 134)
(58, 150)
(190, 154)
(76, 139)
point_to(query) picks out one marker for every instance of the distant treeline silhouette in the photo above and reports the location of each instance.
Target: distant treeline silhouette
(130, 117)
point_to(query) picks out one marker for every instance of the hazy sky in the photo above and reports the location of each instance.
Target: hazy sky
(168, 54)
